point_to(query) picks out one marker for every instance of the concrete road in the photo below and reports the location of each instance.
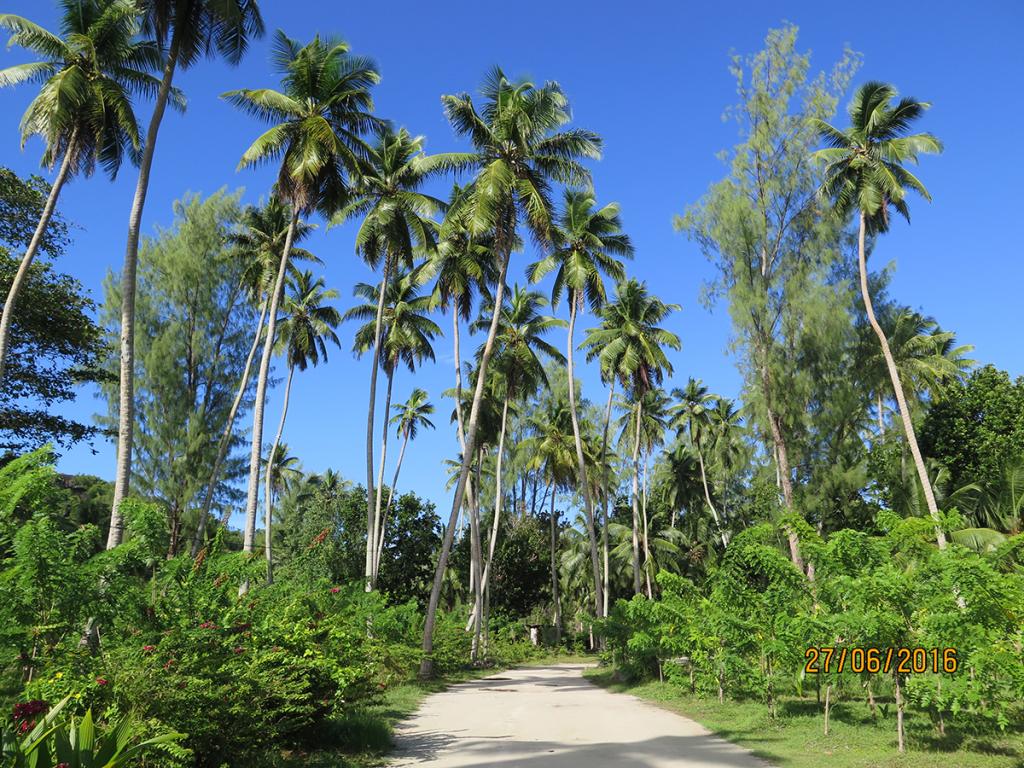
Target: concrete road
(551, 717)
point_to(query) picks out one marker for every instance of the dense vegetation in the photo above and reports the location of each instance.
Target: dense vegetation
(865, 491)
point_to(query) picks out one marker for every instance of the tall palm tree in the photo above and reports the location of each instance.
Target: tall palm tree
(187, 30)
(725, 425)
(283, 472)
(864, 170)
(518, 346)
(631, 348)
(83, 112)
(405, 336)
(258, 242)
(519, 148)
(308, 324)
(317, 120)
(587, 241)
(692, 418)
(409, 417)
(396, 220)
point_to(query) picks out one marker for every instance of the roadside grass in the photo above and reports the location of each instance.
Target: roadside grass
(795, 739)
(362, 737)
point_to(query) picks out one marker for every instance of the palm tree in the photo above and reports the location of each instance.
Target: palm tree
(518, 149)
(259, 243)
(692, 417)
(725, 423)
(317, 121)
(630, 346)
(588, 239)
(520, 372)
(404, 336)
(83, 112)
(308, 323)
(187, 30)
(409, 417)
(283, 472)
(395, 222)
(864, 170)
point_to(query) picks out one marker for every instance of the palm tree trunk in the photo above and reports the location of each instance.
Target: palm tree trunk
(261, 394)
(607, 500)
(377, 512)
(554, 572)
(33, 247)
(497, 501)
(588, 504)
(371, 502)
(268, 480)
(391, 497)
(427, 663)
(476, 556)
(126, 399)
(458, 381)
(647, 547)
(636, 492)
(707, 495)
(225, 438)
(894, 376)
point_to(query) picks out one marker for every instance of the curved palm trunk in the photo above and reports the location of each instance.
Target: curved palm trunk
(637, 588)
(126, 399)
(33, 247)
(261, 394)
(377, 512)
(427, 663)
(894, 376)
(497, 509)
(371, 495)
(707, 495)
(225, 438)
(391, 497)
(555, 599)
(605, 579)
(588, 503)
(647, 546)
(268, 490)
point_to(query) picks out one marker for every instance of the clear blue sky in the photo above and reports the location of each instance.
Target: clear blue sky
(652, 79)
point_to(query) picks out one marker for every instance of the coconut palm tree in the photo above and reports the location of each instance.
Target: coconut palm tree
(395, 222)
(406, 336)
(283, 470)
(725, 425)
(187, 30)
(258, 242)
(587, 241)
(83, 112)
(692, 418)
(865, 171)
(317, 120)
(519, 148)
(307, 325)
(409, 417)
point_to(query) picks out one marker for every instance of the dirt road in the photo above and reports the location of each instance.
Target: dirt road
(551, 717)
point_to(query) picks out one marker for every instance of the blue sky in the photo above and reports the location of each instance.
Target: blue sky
(653, 81)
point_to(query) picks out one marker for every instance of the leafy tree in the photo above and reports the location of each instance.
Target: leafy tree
(185, 30)
(865, 171)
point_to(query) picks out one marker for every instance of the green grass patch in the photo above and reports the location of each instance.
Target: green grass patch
(795, 738)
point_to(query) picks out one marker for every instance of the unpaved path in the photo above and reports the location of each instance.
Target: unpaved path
(551, 717)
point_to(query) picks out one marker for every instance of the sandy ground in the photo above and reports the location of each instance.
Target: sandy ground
(552, 717)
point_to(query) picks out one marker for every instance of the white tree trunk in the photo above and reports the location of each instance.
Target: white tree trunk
(377, 511)
(371, 502)
(268, 490)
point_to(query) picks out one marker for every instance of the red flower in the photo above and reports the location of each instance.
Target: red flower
(335, 590)
(168, 664)
(239, 649)
(207, 625)
(101, 681)
(148, 648)
(63, 765)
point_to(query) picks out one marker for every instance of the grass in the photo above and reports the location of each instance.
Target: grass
(795, 738)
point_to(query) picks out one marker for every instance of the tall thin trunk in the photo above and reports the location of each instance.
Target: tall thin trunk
(900, 737)
(427, 662)
(707, 495)
(33, 247)
(391, 497)
(497, 503)
(126, 399)
(635, 502)
(781, 457)
(476, 556)
(380, 476)
(268, 489)
(458, 381)
(605, 578)
(252, 495)
(554, 572)
(894, 376)
(588, 503)
(371, 503)
(225, 438)
(647, 546)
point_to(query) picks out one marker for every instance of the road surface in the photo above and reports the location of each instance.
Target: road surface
(551, 717)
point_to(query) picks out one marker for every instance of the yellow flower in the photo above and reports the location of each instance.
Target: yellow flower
(58, 675)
